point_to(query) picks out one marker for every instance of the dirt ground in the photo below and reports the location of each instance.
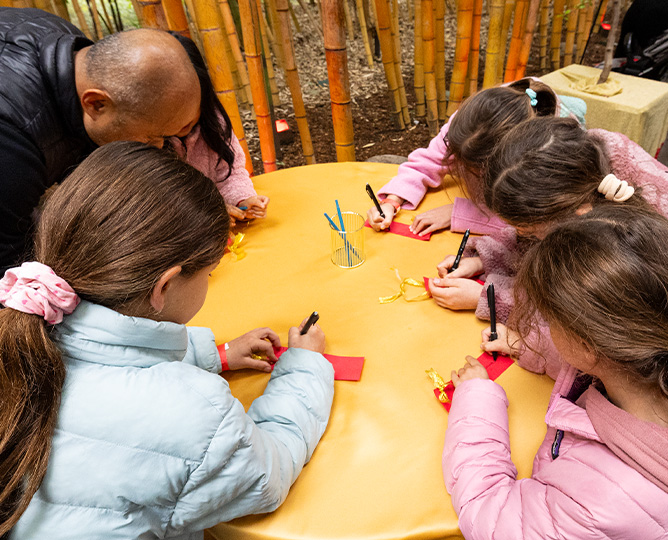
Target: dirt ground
(374, 132)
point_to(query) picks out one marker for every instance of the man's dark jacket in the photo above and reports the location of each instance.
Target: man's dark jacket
(42, 136)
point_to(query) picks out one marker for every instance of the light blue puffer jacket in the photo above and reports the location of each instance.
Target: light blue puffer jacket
(150, 442)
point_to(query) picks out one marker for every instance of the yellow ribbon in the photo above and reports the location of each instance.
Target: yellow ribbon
(403, 283)
(236, 249)
(439, 383)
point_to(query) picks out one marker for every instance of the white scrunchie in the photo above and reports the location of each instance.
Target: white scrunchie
(615, 189)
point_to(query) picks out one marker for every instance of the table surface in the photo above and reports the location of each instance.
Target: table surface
(377, 471)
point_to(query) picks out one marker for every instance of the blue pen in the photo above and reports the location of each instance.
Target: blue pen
(331, 222)
(243, 208)
(343, 229)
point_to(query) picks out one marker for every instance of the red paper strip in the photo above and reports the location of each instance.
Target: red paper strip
(402, 230)
(426, 283)
(346, 368)
(494, 369)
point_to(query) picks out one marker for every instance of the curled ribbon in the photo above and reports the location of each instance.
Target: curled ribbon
(403, 283)
(439, 383)
(235, 247)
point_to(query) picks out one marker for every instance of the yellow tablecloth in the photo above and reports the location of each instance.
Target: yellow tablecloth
(377, 471)
(640, 111)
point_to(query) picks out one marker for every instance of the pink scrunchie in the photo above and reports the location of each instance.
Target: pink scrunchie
(34, 288)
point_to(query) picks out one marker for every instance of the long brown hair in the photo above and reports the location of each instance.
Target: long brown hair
(481, 122)
(127, 214)
(544, 169)
(603, 279)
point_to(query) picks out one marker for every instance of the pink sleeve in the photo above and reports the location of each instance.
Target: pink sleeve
(425, 168)
(466, 215)
(238, 186)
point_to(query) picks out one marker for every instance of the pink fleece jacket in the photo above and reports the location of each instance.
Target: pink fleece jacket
(584, 485)
(235, 188)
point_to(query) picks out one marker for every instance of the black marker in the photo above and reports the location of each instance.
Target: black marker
(491, 302)
(311, 321)
(462, 247)
(375, 201)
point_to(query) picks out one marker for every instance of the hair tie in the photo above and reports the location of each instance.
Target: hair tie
(615, 189)
(34, 288)
(532, 95)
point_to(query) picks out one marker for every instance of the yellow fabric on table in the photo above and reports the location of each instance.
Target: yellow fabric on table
(639, 111)
(377, 471)
(590, 85)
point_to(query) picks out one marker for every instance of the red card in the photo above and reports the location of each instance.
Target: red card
(346, 368)
(494, 369)
(402, 230)
(426, 283)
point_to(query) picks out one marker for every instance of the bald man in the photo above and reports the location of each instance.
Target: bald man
(62, 96)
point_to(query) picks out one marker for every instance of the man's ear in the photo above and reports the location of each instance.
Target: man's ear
(161, 289)
(96, 102)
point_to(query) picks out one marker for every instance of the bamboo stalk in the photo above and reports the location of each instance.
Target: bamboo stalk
(314, 21)
(462, 49)
(394, 19)
(508, 10)
(113, 4)
(387, 49)
(96, 18)
(610, 45)
(439, 34)
(529, 28)
(272, 16)
(495, 42)
(233, 39)
(418, 72)
(571, 27)
(208, 21)
(583, 35)
(521, 8)
(275, 97)
(359, 4)
(349, 20)
(429, 51)
(176, 17)
(108, 21)
(292, 76)
(601, 14)
(81, 19)
(557, 25)
(152, 14)
(474, 55)
(298, 28)
(44, 5)
(544, 22)
(337, 72)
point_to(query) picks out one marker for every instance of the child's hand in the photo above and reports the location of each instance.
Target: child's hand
(507, 343)
(378, 223)
(236, 214)
(313, 340)
(468, 267)
(258, 342)
(256, 207)
(472, 370)
(455, 293)
(432, 220)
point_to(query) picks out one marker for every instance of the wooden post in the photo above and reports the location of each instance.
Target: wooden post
(462, 49)
(495, 43)
(284, 33)
(387, 48)
(429, 51)
(439, 35)
(530, 27)
(544, 22)
(557, 25)
(208, 22)
(418, 70)
(333, 19)
(176, 17)
(250, 26)
(474, 57)
(513, 59)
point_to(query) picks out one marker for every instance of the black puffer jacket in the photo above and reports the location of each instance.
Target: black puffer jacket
(42, 136)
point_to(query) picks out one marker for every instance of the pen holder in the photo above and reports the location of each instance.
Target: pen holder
(348, 246)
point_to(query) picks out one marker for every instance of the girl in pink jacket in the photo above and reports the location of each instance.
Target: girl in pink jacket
(602, 471)
(460, 149)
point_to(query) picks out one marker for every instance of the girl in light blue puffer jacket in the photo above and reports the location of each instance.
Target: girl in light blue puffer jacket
(114, 422)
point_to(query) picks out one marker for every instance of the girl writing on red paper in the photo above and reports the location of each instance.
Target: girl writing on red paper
(601, 282)
(114, 421)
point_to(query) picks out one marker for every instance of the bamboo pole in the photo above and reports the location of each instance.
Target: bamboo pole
(151, 14)
(176, 17)
(544, 22)
(610, 45)
(96, 18)
(349, 20)
(387, 48)
(314, 21)
(429, 51)
(337, 72)
(474, 55)
(272, 16)
(359, 4)
(60, 9)
(394, 20)
(521, 8)
(292, 76)
(571, 27)
(441, 86)
(462, 49)
(508, 10)
(495, 42)
(250, 26)
(81, 19)
(275, 97)
(233, 39)
(44, 5)
(206, 14)
(601, 14)
(529, 28)
(418, 71)
(583, 35)
(557, 25)
(105, 17)
(298, 28)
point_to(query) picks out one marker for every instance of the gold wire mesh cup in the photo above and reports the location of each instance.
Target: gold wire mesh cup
(348, 247)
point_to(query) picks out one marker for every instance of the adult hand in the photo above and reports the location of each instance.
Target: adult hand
(506, 343)
(313, 340)
(432, 220)
(244, 351)
(236, 214)
(256, 207)
(468, 267)
(472, 370)
(455, 293)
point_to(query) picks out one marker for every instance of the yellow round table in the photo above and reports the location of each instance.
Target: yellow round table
(377, 471)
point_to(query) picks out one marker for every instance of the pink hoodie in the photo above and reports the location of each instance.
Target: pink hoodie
(600, 472)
